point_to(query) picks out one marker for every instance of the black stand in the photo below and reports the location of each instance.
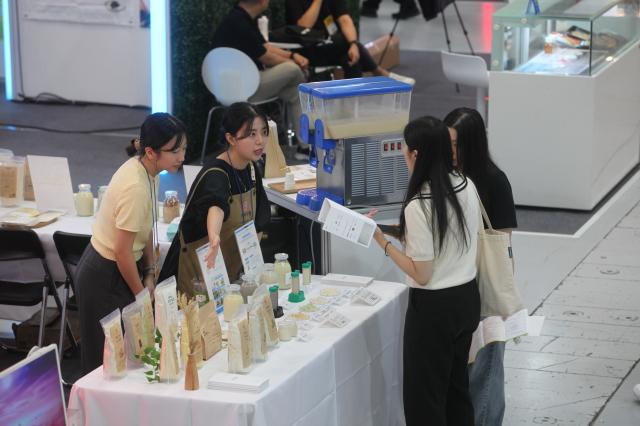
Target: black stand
(446, 34)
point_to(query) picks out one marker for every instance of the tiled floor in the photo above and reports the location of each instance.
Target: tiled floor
(590, 342)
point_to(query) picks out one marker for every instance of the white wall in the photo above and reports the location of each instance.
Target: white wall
(85, 62)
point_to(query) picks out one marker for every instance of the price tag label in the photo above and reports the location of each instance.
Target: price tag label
(366, 296)
(322, 315)
(338, 320)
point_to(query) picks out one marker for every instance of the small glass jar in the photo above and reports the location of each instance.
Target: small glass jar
(11, 180)
(102, 189)
(306, 273)
(171, 206)
(231, 302)
(295, 282)
(247, 287)
(84, 200)
(268, 275)
(283, 271)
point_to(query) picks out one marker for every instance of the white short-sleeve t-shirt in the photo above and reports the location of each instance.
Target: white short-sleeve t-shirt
(455, 264)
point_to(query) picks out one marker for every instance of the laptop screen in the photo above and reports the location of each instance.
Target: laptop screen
(31, 391)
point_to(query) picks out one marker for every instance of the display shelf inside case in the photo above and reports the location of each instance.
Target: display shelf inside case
(567, 37)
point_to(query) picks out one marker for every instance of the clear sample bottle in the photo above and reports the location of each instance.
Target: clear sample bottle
(231, 302)
(283, 271)
(84, 200)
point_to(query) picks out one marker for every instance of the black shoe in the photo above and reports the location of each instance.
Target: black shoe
(406, 13)
(368, 11)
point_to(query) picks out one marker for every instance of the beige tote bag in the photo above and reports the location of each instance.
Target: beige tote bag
(498, 292)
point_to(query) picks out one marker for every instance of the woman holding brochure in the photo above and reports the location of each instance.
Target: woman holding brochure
(471, 157)
(438, 227)
(226, 194)
(124, 245)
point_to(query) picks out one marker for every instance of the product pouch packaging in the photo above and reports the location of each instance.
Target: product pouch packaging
(114, 363)
(167, 323)
(239, 343)
(261, 295)
(148, 325)
(210, 330)
(257, 323)
(133, 334)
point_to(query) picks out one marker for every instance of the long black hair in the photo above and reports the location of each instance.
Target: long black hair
(472, 152)
(434, 164)
(158, 129)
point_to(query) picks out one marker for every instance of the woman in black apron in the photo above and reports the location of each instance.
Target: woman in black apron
(226, 194)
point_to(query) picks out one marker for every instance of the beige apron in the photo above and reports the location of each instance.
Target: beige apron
(188, 264)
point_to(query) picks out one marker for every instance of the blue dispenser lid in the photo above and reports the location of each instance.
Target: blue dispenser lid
(354, 87)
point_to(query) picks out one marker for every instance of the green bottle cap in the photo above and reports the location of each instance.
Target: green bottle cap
(273, 289)
(306, 265)
(295, 274)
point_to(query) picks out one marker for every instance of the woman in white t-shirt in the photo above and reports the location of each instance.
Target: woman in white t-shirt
(123, 256)
(438, 226)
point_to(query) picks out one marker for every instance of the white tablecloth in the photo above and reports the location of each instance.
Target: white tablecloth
(33, 271)
(349, 376)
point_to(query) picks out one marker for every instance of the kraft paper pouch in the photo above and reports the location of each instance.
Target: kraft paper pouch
(167, 323)
(210, 330)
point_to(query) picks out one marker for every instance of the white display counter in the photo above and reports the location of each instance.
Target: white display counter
(564, 99)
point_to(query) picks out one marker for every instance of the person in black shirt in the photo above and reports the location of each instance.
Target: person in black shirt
(471, 156)
(226, 194)
(280, 71)
(332, 17)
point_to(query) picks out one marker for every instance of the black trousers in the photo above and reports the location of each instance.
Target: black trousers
(437, 336)
(336, 54)
(100, 289)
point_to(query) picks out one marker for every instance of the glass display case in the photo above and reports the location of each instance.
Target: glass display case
(566, 37)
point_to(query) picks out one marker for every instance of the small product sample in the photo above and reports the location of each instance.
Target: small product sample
(84, 200)
(114, 363)
(232, 301)
(11, 180)
(306, 273)
(296, 295)
(283, 271)
(171, 206)
(248, 287)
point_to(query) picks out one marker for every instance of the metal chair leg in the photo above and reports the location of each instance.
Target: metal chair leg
(45, 294)
(206, 133)
(63, 319)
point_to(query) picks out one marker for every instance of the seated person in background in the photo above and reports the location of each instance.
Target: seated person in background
(332, 17)
(280, 70)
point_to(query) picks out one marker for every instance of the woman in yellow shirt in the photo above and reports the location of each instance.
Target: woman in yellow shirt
(123, 255)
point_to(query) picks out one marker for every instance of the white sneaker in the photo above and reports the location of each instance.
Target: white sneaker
(636, 390)
(402, 78)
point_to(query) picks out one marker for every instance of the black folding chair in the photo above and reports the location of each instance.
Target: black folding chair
(70, 248)
(21, 245)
